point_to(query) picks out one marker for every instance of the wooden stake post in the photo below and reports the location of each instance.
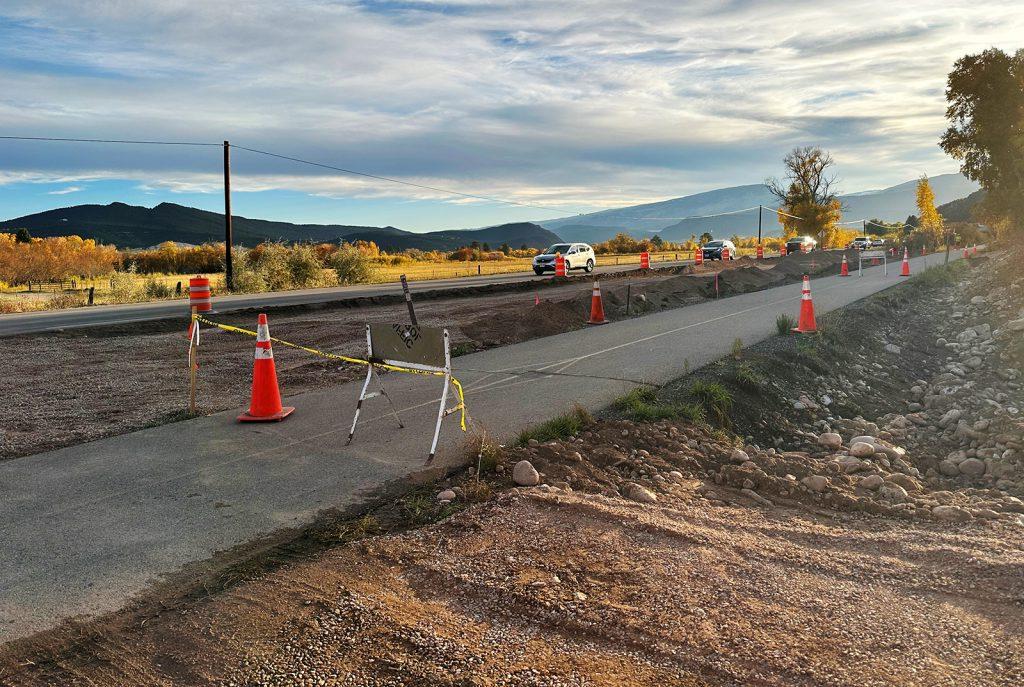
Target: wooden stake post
(193, 360)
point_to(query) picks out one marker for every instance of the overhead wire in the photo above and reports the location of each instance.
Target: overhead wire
(377, 177)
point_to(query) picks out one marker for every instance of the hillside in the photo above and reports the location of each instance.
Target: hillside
(892, 203)
(960, 210)
(131, 226)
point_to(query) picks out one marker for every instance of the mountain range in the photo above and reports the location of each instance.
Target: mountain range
(131, 226)
(678, 218)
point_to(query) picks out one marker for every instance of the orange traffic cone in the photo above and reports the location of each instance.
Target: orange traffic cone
(844, 271)
(965, 254)
(807, 324)
(536, 299)
(905, 269)
(974, 250)
(596, 306)
(266, 398)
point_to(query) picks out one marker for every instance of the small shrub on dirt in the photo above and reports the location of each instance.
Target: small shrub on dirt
(353, 530)
(561, 427)
(784, 324)
(937, 276)
(749, 378)
(476, 491)
(641, 405)
(156, 289)
(68, 299)
(488, 455)
(737, 348)
(715, 399)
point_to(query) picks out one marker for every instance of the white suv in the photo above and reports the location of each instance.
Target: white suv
(578, 256)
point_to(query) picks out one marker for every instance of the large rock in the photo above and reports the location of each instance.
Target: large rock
(830, 440)
(815, 482)
(905, 481)
(739, 456)
(525, 475)
(892, 492)
(639, 494)
(951, 416)
(950, 514)
(972, 467)
(862, 449)
(871, 482)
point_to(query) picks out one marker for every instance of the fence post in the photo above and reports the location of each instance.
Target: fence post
(92, 292)
(177, 289)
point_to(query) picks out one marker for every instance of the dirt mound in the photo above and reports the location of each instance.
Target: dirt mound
(815, 262)
(527, 322)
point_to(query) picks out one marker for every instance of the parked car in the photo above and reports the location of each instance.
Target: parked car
(877, 243)
(800, 244)
(713, 250)
(578, 256)
(861, 243)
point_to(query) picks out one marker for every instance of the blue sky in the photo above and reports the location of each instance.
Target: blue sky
(573, 106)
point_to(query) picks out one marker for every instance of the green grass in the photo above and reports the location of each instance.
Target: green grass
(937, 276)
(715, 399)
(784, 324)
(749, 378)
(561, 427)
(642, 405)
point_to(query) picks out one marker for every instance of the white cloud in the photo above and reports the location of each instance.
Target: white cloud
(65, 191)
(591, 104)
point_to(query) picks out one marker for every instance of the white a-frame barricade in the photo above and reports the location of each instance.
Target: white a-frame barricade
(873, 255)
(423, 349)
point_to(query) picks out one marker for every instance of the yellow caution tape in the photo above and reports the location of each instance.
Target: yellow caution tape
(346, 359)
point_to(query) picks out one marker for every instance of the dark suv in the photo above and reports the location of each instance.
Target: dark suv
(713, 250)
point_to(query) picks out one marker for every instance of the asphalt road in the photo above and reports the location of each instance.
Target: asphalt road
(86, 527)
(31, 322)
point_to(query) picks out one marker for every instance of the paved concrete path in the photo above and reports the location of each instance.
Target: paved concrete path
(31, 322)
(85, 527)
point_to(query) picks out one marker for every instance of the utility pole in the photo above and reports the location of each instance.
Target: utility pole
(229, 274)
(759, 225)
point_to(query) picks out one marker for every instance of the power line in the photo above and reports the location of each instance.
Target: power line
(397, 181)
(377, 177)
(106, 140)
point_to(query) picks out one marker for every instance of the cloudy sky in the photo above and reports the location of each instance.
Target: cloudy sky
(573, 106)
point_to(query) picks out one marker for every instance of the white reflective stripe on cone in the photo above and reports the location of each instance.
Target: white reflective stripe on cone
(264, 353)
(263, 332)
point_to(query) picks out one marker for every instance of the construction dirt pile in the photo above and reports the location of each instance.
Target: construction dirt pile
(68, 387)
(798, 535)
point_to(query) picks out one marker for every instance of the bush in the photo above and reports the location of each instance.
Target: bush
(125, 286)
(784, 324)
(351, 265)
(749, 378)
(155, 289)
(641, 405)
(305, 267)
(715, 399)
(248, 280)
(271, 261)
(561, 427)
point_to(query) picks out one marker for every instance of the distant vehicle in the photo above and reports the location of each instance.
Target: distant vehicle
(578, 256)
(800, 244)
(877, 242)
(861, 243)
(713, 250)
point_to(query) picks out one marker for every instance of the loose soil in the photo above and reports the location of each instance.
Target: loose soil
(83, 384)
(651, 552)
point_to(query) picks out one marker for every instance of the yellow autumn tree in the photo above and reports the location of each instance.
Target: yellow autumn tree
(929, 219)
(807, 195)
